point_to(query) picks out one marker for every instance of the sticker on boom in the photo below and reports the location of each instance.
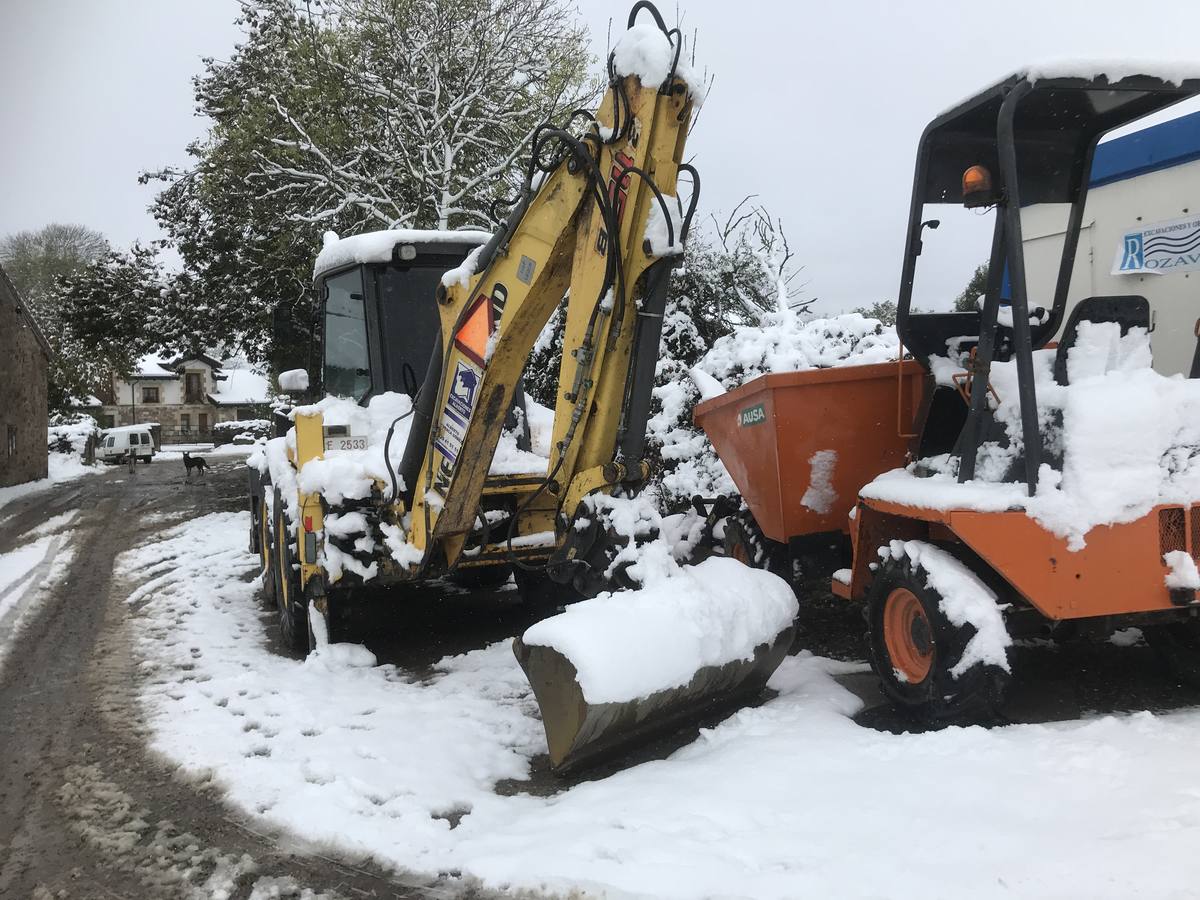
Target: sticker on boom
(752, 415)
(456, 414)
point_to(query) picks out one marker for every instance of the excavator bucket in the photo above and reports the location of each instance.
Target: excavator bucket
(579, 733)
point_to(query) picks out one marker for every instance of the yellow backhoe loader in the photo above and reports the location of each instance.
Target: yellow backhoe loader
(598, 223)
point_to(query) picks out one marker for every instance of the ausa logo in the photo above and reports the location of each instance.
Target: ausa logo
(752, 415)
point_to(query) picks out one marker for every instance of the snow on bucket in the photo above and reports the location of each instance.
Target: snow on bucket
(612, 671)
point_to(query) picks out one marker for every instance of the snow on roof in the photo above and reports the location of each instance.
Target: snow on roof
(241, 387)
(1112, 69)
(153, 366)
(1172, 72)
(377, 246)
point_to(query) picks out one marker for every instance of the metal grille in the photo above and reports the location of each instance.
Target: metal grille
(1172, 529)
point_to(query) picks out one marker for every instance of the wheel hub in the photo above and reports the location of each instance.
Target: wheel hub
(908, 636)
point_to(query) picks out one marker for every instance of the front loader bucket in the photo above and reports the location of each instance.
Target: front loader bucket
(579, 733)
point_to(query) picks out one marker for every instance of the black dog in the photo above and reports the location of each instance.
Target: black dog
(196, 463)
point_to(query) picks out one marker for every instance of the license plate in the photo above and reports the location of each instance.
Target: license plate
(343, 443)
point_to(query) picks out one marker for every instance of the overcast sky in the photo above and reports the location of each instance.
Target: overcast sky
(816, 109)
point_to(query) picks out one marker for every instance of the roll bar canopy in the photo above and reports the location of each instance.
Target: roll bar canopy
(1035, 132)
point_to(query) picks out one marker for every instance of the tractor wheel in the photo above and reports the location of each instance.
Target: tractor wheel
(1178, 643)
(914, 645)
(289, 598)
(264, 538)
(745, 542)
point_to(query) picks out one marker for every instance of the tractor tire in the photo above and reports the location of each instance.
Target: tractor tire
(264, 538)
(289, 598)
(914, 646)
(1178, 643)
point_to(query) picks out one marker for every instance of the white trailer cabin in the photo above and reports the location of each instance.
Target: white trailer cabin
(1140, 234)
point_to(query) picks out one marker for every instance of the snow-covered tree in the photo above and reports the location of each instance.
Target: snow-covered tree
(353, 115)
(38, 262)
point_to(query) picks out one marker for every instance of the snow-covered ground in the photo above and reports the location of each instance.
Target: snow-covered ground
(28, 570)
(62, 467)
(792, 798)
(176, 451)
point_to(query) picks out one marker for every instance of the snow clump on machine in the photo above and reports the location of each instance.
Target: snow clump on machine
(1128, 437)
(347, 476)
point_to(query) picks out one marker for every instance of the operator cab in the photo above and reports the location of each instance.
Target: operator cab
(379, 316)
(1028, 140)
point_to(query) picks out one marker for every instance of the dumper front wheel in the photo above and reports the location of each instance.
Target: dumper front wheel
(914, 647)
(293, 609)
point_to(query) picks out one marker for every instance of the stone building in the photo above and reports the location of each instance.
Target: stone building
(186, 396)
(24, 361)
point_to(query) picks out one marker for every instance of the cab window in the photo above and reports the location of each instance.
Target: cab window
(347, 362)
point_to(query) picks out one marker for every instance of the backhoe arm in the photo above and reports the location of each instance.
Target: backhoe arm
(581, 232)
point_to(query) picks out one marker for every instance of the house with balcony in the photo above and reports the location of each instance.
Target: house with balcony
(185, 395)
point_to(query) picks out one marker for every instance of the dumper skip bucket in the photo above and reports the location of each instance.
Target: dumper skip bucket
(579, 733)
(800, 445)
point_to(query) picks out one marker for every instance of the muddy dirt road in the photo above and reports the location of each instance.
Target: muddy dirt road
(86, 812)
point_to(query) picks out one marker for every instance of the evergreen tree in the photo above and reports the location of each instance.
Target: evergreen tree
(968, 300)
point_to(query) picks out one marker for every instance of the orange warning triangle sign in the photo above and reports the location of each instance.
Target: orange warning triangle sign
(472, 336)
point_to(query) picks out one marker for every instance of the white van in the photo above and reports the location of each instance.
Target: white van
(118, 442)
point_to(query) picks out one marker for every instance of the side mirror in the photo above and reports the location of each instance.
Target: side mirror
(293, 381)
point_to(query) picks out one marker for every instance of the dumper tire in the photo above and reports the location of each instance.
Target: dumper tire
(914, 645)
(1178, 644)
(289, 596)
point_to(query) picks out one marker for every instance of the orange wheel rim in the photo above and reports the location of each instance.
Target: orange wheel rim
(907, 634)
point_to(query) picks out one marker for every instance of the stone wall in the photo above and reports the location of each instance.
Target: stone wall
(23, 414)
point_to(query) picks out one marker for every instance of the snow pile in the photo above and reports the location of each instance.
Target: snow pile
(645, 51)
(350, 474)
(374, 763)
(781, 342)
(1129, 439)
(69, 435)
(377, 246)
(965, 601)
(709, 614)
(787, 342)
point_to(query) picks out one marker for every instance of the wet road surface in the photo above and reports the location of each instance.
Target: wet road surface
(86, 812)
